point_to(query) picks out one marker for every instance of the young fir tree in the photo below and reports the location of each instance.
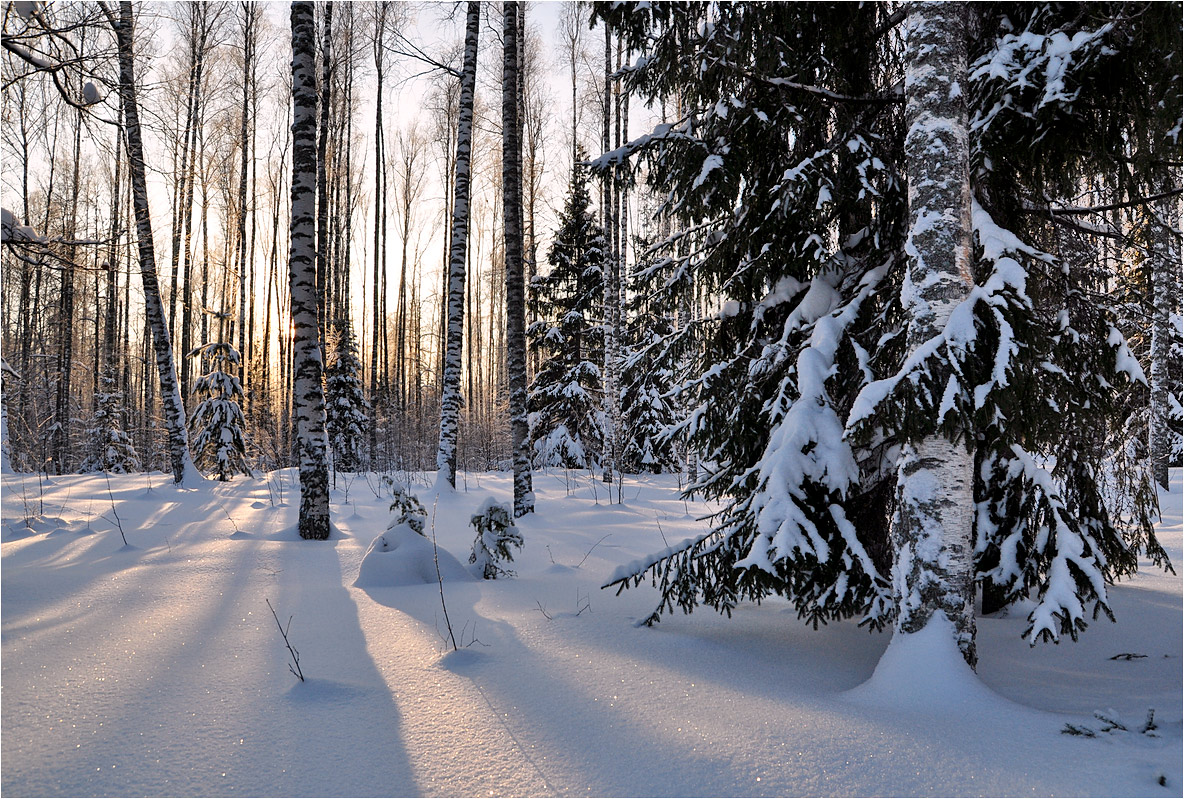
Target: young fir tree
(347, 409)
(817, 374)
(217, 423)
(112, 448)
(496, 534)
(565, 404)
(648, 380)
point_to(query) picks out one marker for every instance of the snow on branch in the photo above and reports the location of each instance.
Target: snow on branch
(1005, 288)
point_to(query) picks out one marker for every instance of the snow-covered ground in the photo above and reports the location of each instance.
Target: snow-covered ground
(156, 668)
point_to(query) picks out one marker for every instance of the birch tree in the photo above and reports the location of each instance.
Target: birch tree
(611, 309)
(170, 394)
(308, 394)
(515, 280)
(1165, 348)
(450, 400)
(932, 532)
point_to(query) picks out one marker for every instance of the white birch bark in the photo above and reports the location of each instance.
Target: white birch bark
(932, 533)
(515, 269)
(611, 306)
(450, 399)
(1165, 295)
(308, 401)
(170, 394)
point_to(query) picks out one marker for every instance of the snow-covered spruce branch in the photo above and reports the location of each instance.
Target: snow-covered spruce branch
(913, 395)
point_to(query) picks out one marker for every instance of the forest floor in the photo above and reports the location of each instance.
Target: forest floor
(156, 667)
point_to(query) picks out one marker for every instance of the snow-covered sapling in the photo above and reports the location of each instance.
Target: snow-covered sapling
(218, 424)
(496, 533)
(407, 509)
(111, 447)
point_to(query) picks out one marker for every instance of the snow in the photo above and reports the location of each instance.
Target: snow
(401, 556)
(157, 668)
(709, 163)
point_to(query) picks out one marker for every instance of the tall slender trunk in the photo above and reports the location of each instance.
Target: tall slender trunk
(112, 311)
(379, 211)
(244, 166)
(63, 425)
(24, 304)
(186, 333)
(932, 534)
(205, 307)
(348, 211)
(308, 395)
(182, 170)
(322, 176)
(611, 306)
(174, 411)
(450, 400)
(248, 375)
(401, 300)
(1165, 297)
(515, 278)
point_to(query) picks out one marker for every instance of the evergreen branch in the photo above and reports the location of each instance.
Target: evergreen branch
(1095, 209)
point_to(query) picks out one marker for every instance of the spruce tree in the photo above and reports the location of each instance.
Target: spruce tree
(815, 376)
(111, 447)
(565, 404)
(217, 424)
(647, 398)
(347, 417)
(756, 193)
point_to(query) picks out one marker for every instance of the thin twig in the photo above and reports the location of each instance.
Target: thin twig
(439, 577)
(111, 495)
(589, 552)
(294, 666)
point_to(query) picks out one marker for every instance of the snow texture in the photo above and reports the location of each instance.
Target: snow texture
(157, 669)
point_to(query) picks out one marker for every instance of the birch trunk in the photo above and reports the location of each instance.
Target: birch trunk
(322, 173)
(170, 394)
(378, 331)
(608, 194)
(450, 400)
(62, 424)
(245, 254)
(1165, 295)
(515, 278)
(932, 533)
(307, 393)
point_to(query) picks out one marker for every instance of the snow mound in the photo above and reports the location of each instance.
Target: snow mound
(401, 556)
(924, 671)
